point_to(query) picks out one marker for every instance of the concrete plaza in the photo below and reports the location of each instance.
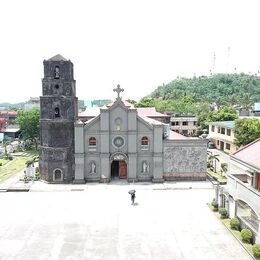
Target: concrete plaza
(97, 221)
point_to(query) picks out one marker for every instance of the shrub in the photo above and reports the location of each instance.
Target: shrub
(256, 250)
(234, 223)
(37, 176)
(1, 164)
(214, 204)
(223, 212)
(246, 235)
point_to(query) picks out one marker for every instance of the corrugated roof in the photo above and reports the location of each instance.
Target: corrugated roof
(151, 121)
(250, 154)
(8, 112)
(175, 136)
(90, 112)
(227, 124)
(150, 112)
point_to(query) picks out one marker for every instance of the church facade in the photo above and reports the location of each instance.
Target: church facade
(118, 143)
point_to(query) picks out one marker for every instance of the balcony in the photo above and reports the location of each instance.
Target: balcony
(239, 188)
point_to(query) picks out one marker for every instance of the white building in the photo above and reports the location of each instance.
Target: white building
(186, 125)
(222, 135)
(242, 194)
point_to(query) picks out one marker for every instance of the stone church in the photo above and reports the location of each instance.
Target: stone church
(119, 142)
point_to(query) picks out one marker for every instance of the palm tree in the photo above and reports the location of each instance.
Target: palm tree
(212, 160)
(32, 161)
(224, 168)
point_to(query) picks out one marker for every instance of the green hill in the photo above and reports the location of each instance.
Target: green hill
(189, 95)
(219, 87)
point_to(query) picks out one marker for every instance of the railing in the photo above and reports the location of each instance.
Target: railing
(240, 185)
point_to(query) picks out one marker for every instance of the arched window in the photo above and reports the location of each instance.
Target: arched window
(57, 72)
(92, 141)
(57, 112)
(57, 175)
(247, 214)
(145, 141)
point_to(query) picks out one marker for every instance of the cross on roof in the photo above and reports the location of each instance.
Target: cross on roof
(118, 90)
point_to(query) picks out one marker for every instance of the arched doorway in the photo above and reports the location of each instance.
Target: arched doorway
(118, 163)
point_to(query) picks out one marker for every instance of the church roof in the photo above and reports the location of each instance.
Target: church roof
(250, 153)
(126, 103)
(57, 57)
(141, 111)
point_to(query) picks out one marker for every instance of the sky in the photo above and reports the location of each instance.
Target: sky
(139, 44)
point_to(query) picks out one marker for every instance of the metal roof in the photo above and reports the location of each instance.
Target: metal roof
(226, 124)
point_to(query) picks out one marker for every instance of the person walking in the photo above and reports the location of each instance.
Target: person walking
(133, 198)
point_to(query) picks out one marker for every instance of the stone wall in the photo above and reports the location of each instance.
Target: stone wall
(185, 159)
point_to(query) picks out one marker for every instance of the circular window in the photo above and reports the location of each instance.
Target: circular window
(57, 86)
(118, 141)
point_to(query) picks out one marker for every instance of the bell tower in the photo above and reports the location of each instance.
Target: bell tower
(59, 109)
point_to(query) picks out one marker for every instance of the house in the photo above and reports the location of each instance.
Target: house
(8, 115)
(222, 135)
(241, 196)
(186, 125)
(12, 131)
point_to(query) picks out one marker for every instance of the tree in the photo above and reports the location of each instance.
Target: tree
(29, 122)
(246, 131)
(32, 161)
(224, 168)
(6, 142)
(212, 160)
(146, 102)
(224, 114)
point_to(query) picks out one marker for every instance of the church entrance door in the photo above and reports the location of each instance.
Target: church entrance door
(118, 169)
(122, 169)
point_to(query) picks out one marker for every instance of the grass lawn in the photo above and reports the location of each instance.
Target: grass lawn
(3, 161)
(217, 176)
(16, 165)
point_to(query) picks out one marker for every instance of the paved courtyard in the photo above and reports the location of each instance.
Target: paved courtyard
(97, 221)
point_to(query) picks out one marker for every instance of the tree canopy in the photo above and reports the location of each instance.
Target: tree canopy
(29, 122)
(222, 89)
(200, 94)
(246, 131)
